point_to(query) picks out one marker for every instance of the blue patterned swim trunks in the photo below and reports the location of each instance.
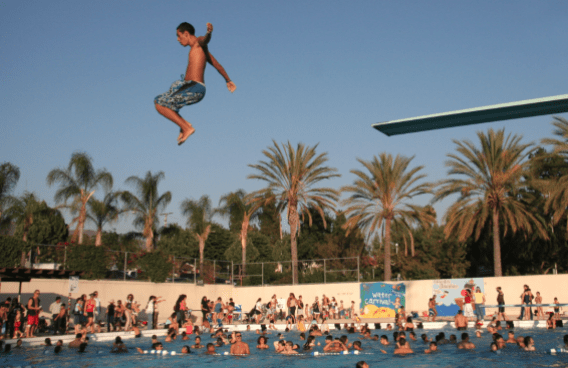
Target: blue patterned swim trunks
(181, 93)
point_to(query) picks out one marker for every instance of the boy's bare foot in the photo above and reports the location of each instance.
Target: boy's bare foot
(184, 135)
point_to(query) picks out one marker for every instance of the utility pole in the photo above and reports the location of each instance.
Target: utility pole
(166, 217)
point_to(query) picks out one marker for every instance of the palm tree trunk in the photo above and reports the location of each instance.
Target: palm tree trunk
(496, 245)
(150, 242)
(201, 251)
(411, 244)
(293, 220)
(99, 237)
(244, 234)
(388, 271)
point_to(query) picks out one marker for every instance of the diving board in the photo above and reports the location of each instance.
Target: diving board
(506, 111)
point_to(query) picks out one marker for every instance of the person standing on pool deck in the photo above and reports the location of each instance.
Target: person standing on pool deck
(501, 302)
(432, 312)
(479, 298)
(191, 89)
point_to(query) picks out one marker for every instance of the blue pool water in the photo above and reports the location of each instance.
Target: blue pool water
(447, 356)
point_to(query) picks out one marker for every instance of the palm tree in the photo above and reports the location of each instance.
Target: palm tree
(240, 212)
(424, 217)
(22, 211)
(103, 212)
(79, 182)
(380, 196)
(557, 200)
(489, 178)
(147, 205)
(9, 176)
(199, 214)
(291, 174)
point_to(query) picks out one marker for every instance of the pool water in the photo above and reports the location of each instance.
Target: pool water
(98, 355)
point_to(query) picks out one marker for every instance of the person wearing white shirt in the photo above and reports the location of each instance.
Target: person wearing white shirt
(97, 306)
(54, 309)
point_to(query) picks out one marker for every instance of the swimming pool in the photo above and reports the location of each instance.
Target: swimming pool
(448, 355)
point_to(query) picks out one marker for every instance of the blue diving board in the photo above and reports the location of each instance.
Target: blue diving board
(512, 110)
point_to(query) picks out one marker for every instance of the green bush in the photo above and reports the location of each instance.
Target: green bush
(155, 266)
(11, 251)
(94, 261)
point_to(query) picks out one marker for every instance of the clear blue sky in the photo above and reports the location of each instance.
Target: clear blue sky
(81, 76)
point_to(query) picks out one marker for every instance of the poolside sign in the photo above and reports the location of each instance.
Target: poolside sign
(450, 294)
(380, 300)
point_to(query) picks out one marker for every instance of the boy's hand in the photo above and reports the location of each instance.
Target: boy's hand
(231, 86)
(209, 27)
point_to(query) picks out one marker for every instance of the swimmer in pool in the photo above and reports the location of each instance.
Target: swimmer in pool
(529, 344)
(403, 347)
(197, 344)
(210, 349)
(465, 343)
(240, 347)
(288, 350)
(433, 348)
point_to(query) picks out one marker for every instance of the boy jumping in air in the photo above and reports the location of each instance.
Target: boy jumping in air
(191, 88)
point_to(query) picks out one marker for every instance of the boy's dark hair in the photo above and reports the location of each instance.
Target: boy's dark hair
(154, 337)
(360, 364)
(209, 345)
(357, 343)
(186, 27)
(82, 347)
(57, 349)
(155, 345)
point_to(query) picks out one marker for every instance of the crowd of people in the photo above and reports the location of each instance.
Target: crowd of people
(82, 315)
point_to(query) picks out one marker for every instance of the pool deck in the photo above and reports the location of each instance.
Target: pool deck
(109, 336)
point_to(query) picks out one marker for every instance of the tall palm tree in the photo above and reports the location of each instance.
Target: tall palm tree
(240, 212)
(147, 205)
(292, 174)
(103, 212)
(557, 201)
(199, 214)
(380, 196)
(423, 217)
(79, 181)
(489, 177)
(9, 176)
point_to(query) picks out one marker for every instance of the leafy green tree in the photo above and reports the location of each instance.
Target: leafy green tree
(179, 243)
(11, 249)
(103, 212)
(48, 226)
(235, 206)
(218, 241)
(79, 182)
(9, 176)
(269, 219)
(233, 253)
(154, 266)
(488, 182)
(147, 205)
(292, 175)
(262, 243)
(381, 194)
(94, 261)
(199, 215)
(557, 187)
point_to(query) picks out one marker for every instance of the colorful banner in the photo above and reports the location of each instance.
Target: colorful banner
(380, 300)
(450, 294)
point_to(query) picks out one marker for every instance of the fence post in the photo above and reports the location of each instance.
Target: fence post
(232, 274)
(262, 278)
(214, 278)
(65, 258)
(324, 278)
(174, 271)
(195, 271)
(125, 259)
(358, 274)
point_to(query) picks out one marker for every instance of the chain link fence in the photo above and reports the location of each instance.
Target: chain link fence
(310, 271)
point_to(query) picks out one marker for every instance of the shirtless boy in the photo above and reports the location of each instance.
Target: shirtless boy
(460, 321)
(191, 89)
(432, 312)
